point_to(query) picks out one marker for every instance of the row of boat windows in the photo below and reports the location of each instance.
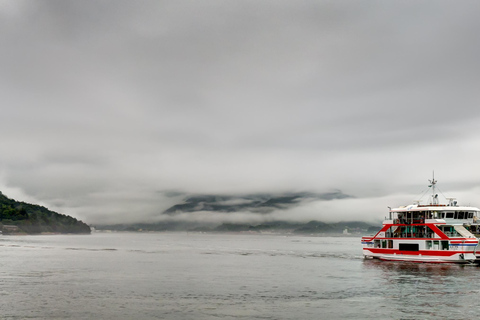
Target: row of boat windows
(429, 245)
(412, 217)
(418, 232)
(455, 215)
(449, 231)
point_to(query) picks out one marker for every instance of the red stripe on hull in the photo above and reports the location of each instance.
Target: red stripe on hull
(442, 253)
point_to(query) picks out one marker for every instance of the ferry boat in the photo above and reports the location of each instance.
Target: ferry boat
(434, 232)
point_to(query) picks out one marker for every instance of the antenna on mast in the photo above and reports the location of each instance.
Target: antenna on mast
(433, 182)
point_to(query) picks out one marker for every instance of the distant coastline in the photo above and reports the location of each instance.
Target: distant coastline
(345, 228)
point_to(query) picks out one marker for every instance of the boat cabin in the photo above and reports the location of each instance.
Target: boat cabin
(418, 214)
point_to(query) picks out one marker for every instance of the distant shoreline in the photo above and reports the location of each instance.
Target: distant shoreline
(344, 228)
(44, 234)
(334, 235)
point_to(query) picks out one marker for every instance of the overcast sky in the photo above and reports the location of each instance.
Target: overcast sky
(107, 106)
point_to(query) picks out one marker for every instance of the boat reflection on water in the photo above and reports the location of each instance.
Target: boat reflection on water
(420, 269)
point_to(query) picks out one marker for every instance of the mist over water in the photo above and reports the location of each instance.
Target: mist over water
(208, 276)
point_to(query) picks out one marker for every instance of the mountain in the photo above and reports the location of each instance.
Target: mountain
(175, 218)
(22, 217)
(256, 203)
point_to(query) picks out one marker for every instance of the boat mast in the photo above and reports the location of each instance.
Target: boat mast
(433, 182)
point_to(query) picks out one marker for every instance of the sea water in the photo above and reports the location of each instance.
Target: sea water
(222, 276)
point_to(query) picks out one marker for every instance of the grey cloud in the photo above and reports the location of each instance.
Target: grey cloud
(105, 103)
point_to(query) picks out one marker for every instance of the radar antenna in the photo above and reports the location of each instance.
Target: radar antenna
(433, 182)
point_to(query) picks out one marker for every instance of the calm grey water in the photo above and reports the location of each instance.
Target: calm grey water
(209, 276)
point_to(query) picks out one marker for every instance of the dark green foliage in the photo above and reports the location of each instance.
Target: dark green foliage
(8, 212)
(31, 218)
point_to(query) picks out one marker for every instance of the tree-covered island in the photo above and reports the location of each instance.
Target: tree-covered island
(25, 218)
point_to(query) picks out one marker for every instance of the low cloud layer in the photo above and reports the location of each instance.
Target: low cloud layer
(109, 106)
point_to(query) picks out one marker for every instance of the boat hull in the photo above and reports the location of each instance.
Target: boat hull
(424, 257)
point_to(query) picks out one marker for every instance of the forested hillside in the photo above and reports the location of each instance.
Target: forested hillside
(33, 219)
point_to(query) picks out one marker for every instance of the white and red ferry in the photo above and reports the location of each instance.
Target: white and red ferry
(440, 233)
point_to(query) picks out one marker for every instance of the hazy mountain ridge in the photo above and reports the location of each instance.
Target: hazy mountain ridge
(258, 204)
(255, 203)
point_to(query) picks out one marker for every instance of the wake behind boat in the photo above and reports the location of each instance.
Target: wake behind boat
(439, 233)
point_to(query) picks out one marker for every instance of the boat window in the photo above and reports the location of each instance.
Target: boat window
(460, 215)
(470, 215)
(441, 215)
(390, 244)
(377, 243)
(444, 245)
(408, 246)
(410, 232)
(419, 217)
(384, 243)
(449, 215)
(449, 231)
(428, 244)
